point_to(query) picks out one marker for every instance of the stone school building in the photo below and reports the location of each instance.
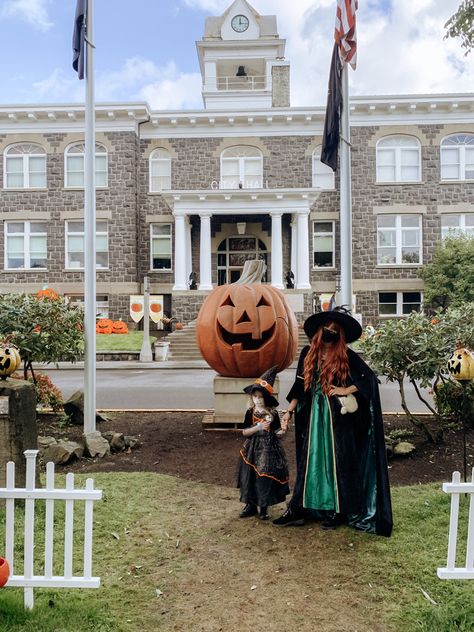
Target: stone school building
(190, 195)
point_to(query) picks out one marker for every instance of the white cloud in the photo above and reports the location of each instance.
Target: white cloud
(32, 11)
(56, 88)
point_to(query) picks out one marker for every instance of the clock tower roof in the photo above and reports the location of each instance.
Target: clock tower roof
(266, 24)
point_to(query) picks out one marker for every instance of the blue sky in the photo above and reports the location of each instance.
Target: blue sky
(146, 49)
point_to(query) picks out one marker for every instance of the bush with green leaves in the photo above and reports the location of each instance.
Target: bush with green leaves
(44, 329)
(417, 348)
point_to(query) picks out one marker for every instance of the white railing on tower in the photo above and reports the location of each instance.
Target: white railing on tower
(251, 82)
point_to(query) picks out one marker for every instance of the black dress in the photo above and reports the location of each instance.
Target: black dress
(263, 468)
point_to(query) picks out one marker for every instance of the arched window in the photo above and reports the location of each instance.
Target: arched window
(160, 170)
(457, 157)
(398, 159)
(241, 168)
(25, 166)
(323, 176)
(233, 252)
(74, 165)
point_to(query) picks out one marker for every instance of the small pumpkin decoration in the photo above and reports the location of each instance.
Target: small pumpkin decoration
(10, 359)
(119, 327)
(461, 365)
(48, 294)
(104, 326)
(155, 308)
(136, 307)
(243, 329)
(179, 326)
(4, 571)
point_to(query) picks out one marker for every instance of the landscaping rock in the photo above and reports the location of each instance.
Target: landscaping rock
(45, 442)
(117, 443)
(404, 448)
(62, 451)
(95, 444)
(109, 435)
(132, 442)
(74, 409)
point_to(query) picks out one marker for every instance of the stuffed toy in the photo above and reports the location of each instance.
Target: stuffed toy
(348, 404)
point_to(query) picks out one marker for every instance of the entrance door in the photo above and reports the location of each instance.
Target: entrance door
(233, 252)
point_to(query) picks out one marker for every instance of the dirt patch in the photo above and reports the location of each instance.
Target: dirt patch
(177, 444)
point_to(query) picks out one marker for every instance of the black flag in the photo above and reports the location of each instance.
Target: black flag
(329, 151)
(79, 38)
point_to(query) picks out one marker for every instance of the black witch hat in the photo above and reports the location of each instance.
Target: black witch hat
(265, 385)
(340, 315)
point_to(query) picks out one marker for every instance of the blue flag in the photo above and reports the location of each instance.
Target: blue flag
(79, 38)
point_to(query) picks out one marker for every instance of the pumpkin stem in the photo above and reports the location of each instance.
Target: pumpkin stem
(253, 271)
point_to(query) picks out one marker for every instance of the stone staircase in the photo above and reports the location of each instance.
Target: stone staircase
(183, 346)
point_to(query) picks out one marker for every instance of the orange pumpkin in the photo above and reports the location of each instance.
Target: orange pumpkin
(137, 307)
(155, 308)
(48, 293)
(4, 571)
(179, 326)
(119, 327)
(104, 326)
(243, 330)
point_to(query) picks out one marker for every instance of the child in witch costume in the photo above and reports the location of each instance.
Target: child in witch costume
(263, 468)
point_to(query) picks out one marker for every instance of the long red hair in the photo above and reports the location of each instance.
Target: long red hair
(334, 367)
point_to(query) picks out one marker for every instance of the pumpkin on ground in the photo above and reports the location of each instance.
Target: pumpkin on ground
(243, 330)
(10, 359)
(104, 326)
(461, 365)
(4, 571)
(119, 327)
(48, 293)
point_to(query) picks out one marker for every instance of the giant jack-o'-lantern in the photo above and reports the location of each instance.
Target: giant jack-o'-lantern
(104, 326)
(243, 330)
(119, 327)
(461, 365)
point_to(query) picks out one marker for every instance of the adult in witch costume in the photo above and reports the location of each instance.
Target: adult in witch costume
(263, 468)
(341, 459)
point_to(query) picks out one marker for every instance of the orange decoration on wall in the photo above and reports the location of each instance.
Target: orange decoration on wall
(104, 326)
(136, 307)
(155, 307)
(119, 327)
(243, 330)
(48, 293)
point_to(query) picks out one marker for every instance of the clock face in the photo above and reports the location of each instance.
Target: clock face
(240, 23)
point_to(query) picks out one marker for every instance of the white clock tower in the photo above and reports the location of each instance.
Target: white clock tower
(242, 61)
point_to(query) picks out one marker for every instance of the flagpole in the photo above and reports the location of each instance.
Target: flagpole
(345, 195)
(89, 235)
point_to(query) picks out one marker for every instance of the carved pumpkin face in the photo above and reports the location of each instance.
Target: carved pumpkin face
(243, 330)
(119, 327)
(10, 359)
(104, 326)
(461, 365)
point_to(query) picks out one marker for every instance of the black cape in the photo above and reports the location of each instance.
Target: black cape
(351, 438)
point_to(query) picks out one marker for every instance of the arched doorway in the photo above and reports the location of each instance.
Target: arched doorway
(232, 253)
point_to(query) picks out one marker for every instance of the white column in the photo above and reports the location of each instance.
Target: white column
(189, 255)
(277, 250)
(210, 76)
(180, 280)
(205, 267)
(294, 247)
(302, 255)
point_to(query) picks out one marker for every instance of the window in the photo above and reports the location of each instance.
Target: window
(457, 157)
(399, 239)
(25, 167)
(160, 170)
(323, 245)
(232, 254)
(323, 176)
(25, 245)
(453, 225)
(241, 168)
(74, 171)
(399, 303)
(398, 159)
(75, 245)
(161, 246)
(101, 305)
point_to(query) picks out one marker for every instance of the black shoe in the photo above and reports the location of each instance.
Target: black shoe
(333, 522)
(248, 510)
(289, 518)
(263, 515)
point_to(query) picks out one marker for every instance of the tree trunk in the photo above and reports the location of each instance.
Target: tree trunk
(415, 420)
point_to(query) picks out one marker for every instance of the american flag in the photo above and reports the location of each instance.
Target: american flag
(345, 31)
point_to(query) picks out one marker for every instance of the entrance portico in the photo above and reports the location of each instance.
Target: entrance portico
(232, 204)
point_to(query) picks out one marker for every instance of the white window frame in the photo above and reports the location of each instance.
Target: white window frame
(399, 230)
(242, 180)
(102, 307)
(323, 234)
(68, 233)
(398, 149)
(162, 237)
(450, 144)
(26, 165)
(322, 172)
(461, 229)
(160, 155)
(26, 234)
(400, 303)
(100, 151)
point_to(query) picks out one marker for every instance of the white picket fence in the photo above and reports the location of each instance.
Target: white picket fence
(456, 488)
(30, 494)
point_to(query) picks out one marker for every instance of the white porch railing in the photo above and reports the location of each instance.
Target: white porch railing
(456, 488)
(251, 82)
(28, 580)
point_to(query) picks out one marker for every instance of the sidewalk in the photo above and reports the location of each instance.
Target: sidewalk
(127, 364)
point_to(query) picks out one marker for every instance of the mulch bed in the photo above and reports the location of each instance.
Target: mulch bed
(176, 444)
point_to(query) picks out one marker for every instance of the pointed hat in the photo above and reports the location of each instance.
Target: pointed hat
(265, 384)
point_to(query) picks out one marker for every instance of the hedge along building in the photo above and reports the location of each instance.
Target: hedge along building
(199, 192)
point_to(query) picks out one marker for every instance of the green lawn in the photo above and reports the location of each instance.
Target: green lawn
(121, 342)
(214, 571)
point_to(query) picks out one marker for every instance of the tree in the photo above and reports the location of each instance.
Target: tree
(461, 24)
(45, 329)
(449, 278)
